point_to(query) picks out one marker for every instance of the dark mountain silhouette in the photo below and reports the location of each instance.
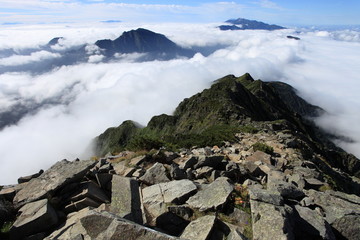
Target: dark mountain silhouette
(155, 45)
(245, 24)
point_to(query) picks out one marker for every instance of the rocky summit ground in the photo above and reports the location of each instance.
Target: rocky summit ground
(271, 175)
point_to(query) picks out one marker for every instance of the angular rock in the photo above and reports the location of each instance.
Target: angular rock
(234, 157)
(80, 204)
(157, 196)
(285, 189)
(125, 199)
(189, 163)
(348, 226)
(200, 229)
(90, 190)
(28, 178)
(71, 228)
(260, 156)
(214, 175)
(104, 225)
(203, 172)
(214, 161)
(137, 161)
(270, 221)
(306, 172)
(240, 218)
(35, 217)
(8, 193)
(122, 170)
(103, 179)
(265, 196)
(58, 175)
(298, 180)
(171, 223)
(253, 169)
(311, 225)
(212, 196)
(176, 172)
(337, 207)
(313, 183)
(182, 211)
(155, 174)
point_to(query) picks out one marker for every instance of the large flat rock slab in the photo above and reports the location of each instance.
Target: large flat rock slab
(212, 196)
(126, 199)
(60, 174)
(35, 217)
(104, 225)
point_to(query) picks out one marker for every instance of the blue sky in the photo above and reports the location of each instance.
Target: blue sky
(305, 12)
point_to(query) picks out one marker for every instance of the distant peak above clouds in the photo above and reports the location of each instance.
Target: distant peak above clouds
(143, 41)
(245, 24)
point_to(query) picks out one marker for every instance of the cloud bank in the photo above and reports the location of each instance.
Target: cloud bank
(71, 105)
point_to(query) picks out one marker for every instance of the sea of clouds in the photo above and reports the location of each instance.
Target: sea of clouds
(70, 105)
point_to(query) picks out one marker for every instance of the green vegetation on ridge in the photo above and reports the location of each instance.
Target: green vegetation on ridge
(231, 105)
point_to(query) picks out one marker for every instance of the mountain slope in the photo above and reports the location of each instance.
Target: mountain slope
(233, 105)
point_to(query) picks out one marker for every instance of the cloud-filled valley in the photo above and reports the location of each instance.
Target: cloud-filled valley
(62, 109)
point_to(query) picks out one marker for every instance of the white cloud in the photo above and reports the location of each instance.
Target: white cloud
(16, 60)
(103, 95)
(268, 4)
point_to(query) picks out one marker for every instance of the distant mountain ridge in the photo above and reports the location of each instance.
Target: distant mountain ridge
(245, 24)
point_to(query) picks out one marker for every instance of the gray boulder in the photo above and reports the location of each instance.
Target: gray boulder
(189, 163)
(342, 211)
(312, 225)
(285, 189)
(155, 174)
(125, 199)
(176, 172)
(34, 218)
(266, 196)
(58, 175)
(260, 156)
(157, 196)
(200, 229)
(348, 226)
(122, 169)
(270, 221)
(212, 196)
(214, 161)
